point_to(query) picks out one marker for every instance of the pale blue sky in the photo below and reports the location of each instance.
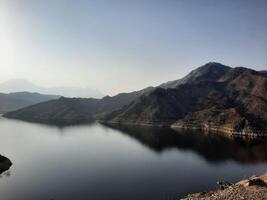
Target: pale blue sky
(125, 45)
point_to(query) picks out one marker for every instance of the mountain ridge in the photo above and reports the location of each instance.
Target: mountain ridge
(235, 103)
(73, 110)
(14, 101)
(213, 97)
(213, 69)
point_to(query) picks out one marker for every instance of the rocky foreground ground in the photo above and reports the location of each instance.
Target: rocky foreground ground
(254, 188)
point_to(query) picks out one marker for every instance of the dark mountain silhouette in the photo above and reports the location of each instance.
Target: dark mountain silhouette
(74, 110)
(13, 101)
(215, 148)
(213, 97)
(210, 72)
(230, 100)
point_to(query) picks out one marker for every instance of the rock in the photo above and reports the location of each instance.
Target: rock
(224, 184)
(240, 190)
(256, 182)
(5, 164)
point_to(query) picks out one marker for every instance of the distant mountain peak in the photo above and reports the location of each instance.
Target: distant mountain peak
(212, 66)
(213, 97)
(211, 71)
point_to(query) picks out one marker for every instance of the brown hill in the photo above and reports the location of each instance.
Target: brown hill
(213, 97)
(235, 103)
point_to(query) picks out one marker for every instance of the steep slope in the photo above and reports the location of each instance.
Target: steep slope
(247, 114)
(172, 100)
(108, 104)
(213, 97)
(101, 108)
(211, 71)
(14, 101)
(234, 103)
(163, 106)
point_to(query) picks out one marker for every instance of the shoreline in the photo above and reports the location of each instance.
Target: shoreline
(253, 188)
(226, 131)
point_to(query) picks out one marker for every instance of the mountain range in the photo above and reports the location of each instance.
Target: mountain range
(74, 110)
(21, 85)
(213, 97)
(14, 101)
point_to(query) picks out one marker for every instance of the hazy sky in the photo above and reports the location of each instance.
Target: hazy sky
(125, 45)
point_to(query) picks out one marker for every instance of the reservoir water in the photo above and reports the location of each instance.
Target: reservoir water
(98, 162)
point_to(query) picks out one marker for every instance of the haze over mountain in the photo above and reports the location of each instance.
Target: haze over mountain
(212, 97)
(22, 85)
(13, 101)
(75, 110)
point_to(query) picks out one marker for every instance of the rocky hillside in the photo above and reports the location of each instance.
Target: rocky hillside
(240, 108)
(213, 97)
(210, 72)
(73, 110)
(233, 101)
(14, 101)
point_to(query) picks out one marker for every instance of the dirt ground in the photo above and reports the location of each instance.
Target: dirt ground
(254, 188)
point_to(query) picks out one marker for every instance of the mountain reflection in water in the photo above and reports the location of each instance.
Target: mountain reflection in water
(211, 146)
(92, 161)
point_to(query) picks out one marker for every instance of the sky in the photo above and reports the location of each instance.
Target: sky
(125, 45)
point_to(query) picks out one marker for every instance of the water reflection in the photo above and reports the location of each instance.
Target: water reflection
(117, 163)
(57, 124)
(213, 147)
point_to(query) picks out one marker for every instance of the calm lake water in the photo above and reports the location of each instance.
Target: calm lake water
(119, 163)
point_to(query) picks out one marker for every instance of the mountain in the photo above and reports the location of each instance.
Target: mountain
(211, 71)
(21, 85)
(229, 100)
(13, 101)
(60, 111)
(74, 110)
(214, 97)
(163, 106)
(172, 100)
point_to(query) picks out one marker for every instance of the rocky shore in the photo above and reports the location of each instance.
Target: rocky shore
(5, 164)
(254, 188)
(250, 132)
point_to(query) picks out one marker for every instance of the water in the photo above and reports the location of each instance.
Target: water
(105, 163)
